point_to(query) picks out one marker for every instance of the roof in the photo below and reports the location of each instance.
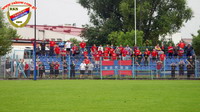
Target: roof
(71, 30)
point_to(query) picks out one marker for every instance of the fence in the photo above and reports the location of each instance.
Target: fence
(69, 67)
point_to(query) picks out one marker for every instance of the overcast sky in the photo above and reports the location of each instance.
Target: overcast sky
(59, 12)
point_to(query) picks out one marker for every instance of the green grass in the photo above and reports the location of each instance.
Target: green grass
(99, 96)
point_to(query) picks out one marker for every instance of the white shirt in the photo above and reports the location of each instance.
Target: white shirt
(100, 48)
(68, 44)
(82, 66)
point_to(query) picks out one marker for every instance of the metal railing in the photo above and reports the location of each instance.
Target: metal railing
(132, 68)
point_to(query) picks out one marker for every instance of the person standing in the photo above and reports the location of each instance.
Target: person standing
(82, 69)
(181, 68)
(41, 69)
(189, 70)
(52, 71)
(180, 53)
(43, 46)
(170, 51)
(191, 61)
(173, 70)
(63, 53)
(82, 45)
(181, 44)
(61, 44)
(52, 44)
(68, 47)
(176, 49)
(154, 55)
(72, 70)
(162, 57)
(189, 50)
(56, 67)
(8, 67)
(21, 67)
(31, 67)
(75, 50)
(159, 67)
(57, 50)
(97, 60)
(146, 57)
(26, 69)
(90, 69)
(65, 66)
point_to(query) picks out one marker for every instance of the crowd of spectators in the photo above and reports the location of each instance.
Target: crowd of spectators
(92, 56)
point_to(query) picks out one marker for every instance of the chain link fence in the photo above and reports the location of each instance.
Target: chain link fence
(91, 67)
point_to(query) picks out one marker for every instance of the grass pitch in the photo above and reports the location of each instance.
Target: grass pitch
(99, 96)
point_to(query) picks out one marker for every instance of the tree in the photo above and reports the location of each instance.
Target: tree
(121, 38)
(196, 43)
(6, 35)
(155, 17)
(74, 41)
(105, 18)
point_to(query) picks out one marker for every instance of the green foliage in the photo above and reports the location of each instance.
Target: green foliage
(6, 35)
(196, 43)
(128, 38)
(154, 17)
(105, 18)
(74, 41)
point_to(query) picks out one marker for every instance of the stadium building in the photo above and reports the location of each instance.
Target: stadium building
(55, 33)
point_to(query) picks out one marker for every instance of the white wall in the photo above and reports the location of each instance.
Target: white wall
(28, 33)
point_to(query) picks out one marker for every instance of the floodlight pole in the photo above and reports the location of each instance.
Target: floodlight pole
(135, 22)
(34, 53)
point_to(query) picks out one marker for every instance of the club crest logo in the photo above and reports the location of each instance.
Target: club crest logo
(19, 13)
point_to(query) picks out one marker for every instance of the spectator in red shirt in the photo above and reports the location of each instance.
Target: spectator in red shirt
(111, 51)
(26, 69)
(159, 67)
(86, 61)
(147, 52)
(93, 49)
(52, 44)
(180, 53)
(97, 60)
(170, 51)
(114, 56)
(181, 44)
(100, 53)
(106, 57)
(162, 57)
(121, 48)
(82, 45)
(154, 55)
(135, 47)
(56, 67)
(106, 51)
(75, 50)
(137, 52)
(124, 54)
(85, 53)
(57, 50)
(107, 48)
(63, 54)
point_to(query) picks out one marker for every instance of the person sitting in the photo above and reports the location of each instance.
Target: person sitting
(158, 49)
